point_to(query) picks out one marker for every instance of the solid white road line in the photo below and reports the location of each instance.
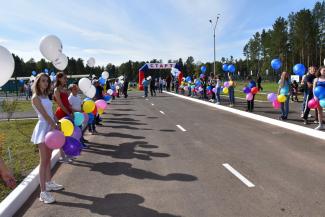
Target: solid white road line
(180, 127)
(162, 112)
(238, 175)
(289, 126)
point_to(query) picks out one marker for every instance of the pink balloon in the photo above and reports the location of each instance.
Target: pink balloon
(101, 104)
(276, 104)
(313, 104)
(54, 139)
(77, 133)
(86, 118)
(249, 97)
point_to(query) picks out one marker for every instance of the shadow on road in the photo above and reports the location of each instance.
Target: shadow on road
(115, 205)
(122, 168)
(124, 151)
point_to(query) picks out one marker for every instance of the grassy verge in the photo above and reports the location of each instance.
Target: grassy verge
(24, 155)
(24, 106)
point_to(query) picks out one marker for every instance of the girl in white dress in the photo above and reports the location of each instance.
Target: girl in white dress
(43, 106)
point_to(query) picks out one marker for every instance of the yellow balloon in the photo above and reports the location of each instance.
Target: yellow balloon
(225, 90)
(282, 98)
(88, 106)
(66, 127)
(100, 111)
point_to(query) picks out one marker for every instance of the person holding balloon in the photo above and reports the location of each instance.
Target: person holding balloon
(309, 86)
(319, 92)
(43, 107)
(61, 97)
(283, 95)
(218, 89)
(251, 95)
(231, 90)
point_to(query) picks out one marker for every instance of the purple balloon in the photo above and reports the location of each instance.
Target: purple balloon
(271, 97)
(214, 90)
(226, 84)
(77, 133)
(246, 90)
(71, 147)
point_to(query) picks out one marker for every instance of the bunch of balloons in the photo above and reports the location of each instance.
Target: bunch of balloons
(319, 100)
(228, 68)
(276, 100)
(51, 48)
(250, 90)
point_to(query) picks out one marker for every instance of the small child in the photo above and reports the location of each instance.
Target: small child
(76, 102)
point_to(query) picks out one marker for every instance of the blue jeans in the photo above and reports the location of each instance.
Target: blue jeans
(231, 95)
(304, 101)
(218, 94)
(285, 107)
(146, 91)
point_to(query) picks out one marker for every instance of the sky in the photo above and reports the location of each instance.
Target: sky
(115, 31)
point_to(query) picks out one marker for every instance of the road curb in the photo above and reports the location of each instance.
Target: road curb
(15, 200)
(289, 126)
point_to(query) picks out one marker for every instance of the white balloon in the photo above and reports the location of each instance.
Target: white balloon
(122, 81)
(50, 47)
(324, 62)
(110, 91)
(84, 84)
(61, 62)
(121, 77)
(117, 87)
(149, 78)
(105, 75)
(91, 62)
(90, 92)
(7, 65)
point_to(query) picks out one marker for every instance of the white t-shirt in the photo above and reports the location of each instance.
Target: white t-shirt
(75, 102)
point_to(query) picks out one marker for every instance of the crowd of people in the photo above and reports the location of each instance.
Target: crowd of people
(208, 87)
(46, 91)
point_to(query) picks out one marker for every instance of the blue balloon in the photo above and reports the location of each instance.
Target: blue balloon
(231, 68)
(107, 98)
(203, 69)
(319, 92)
(299, 69)
(53, 73)
(113, 87)
(46, 71)
(78, 118)
(202, 76)
(34, 73)
(102, 81)
(209, 88)
(225, 67)
(197, 83)
(188, 79)
(322, 103)
(91, 118)
(276, 64)
(251, 84)
(21, 81)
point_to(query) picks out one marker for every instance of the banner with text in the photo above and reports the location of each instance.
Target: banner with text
(161, 65)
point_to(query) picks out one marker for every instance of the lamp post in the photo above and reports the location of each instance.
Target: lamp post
(214, 44)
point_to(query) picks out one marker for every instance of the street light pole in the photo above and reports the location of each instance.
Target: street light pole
(214, 44)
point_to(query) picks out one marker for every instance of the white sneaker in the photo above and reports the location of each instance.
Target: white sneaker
(309, 115)
(46, 197)
(52, 186)
(320, 127)
(218, 103)
(65, 160)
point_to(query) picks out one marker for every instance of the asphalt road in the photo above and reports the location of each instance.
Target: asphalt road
(166, 156)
